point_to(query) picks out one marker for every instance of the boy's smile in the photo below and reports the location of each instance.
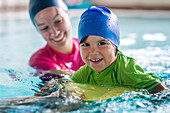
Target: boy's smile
(98, 53)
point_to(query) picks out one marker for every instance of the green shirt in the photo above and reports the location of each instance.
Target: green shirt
(123, 72)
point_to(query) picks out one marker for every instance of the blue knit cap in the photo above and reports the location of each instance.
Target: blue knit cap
(99, 21)
(37, 5)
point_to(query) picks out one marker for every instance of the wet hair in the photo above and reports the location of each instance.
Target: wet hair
(83, 39)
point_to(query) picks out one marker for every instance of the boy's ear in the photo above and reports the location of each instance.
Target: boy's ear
(117, 50)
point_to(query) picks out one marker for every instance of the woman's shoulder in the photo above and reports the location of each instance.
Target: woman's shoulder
(41, 52)
(75, 39)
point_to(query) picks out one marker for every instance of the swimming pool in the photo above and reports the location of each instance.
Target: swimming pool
(146, 38)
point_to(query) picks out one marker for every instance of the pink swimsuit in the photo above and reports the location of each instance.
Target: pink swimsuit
(47, 59)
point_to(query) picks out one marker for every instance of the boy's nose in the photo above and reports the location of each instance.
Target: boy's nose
(93, 50)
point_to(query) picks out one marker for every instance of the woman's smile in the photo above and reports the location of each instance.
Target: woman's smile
(54, 25)
(59, 37)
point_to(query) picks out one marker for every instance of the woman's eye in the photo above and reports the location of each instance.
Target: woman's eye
(58, 21)
(85, 44)
(101, 43)
(44, 28)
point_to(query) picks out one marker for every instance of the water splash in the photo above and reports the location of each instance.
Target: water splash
(18, 83)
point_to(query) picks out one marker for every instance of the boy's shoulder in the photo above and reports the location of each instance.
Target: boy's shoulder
(125, 60)
(84, 68)
(81, 74)
(120, 54)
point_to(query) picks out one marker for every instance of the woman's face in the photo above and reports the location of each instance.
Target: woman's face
(98, 53)
(54, 25)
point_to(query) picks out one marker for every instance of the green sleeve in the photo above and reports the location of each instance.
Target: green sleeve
(133, 75)
(81, 75)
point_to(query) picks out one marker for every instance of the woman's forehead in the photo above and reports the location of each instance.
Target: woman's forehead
(48, 14)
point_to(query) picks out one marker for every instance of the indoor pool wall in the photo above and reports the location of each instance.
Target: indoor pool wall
(145, 36)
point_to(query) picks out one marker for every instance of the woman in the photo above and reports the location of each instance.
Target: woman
(52, 21)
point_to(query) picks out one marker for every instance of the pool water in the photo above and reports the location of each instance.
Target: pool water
(145, 39)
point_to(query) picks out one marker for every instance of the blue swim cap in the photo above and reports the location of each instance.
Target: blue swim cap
(99, 21)
(37, 5)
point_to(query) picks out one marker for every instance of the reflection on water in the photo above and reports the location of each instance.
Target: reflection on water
(145, 39)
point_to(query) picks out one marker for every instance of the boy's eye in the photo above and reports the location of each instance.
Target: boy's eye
(85, 44)
(101, 43)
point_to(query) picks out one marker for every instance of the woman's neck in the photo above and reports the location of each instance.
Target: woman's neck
(65, 49)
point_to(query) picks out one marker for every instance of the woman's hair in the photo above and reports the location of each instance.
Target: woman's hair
(36, 6)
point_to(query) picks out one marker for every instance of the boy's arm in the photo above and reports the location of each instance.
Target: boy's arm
(158, 88)
(134, 75)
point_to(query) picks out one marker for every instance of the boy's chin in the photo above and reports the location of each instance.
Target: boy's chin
(98, 70)
(97, 67)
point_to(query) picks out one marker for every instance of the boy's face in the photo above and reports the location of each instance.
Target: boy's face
(98, 53)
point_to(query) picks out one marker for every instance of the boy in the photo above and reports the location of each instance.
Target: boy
(105, 65)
